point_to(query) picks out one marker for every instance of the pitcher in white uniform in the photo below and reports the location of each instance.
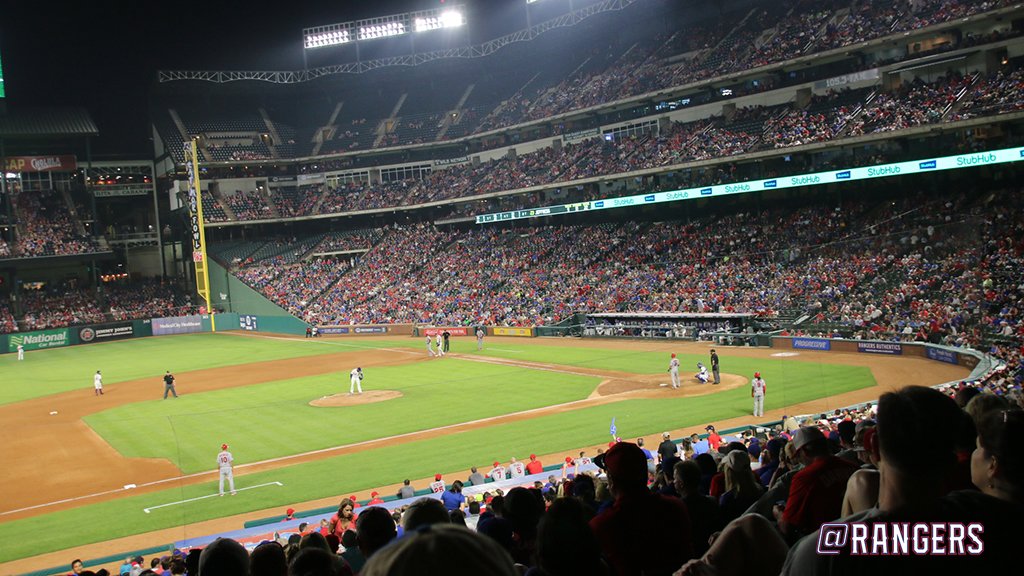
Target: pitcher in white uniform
(356, 382)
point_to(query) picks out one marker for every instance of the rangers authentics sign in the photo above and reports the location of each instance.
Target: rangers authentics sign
(61, 163)
(880, 347)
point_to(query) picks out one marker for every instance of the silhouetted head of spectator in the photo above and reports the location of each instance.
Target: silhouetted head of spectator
(332, 542)
(847, 429)
(457, 517)
(374, 529)
(424, 512)
(918, 430)
(349, 539)
(963, 396)
(565, 543)
(441, 549)
(627, 469)
(268, 559)
(224, 557)
(523, 510)
(497, 505)
(686, 478)
(314, 540)
(997, 468)
(314, 562)
(707, 465)
(982, 404)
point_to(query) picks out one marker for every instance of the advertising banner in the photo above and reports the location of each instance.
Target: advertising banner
(91, 334)
(332, 330)
(60, 163)
(39, 340)
(370, 330)
(247, 322)
(812, 343)
(460, 331)
(880, 347)
(942, 355)
(178, 325)
(525, 332)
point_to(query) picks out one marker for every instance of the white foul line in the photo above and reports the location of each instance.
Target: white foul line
(146, 510)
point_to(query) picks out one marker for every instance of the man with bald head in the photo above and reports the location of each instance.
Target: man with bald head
(224, 557)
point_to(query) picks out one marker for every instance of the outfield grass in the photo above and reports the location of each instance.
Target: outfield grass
(274, 419)
(341, 475)
(46, 372)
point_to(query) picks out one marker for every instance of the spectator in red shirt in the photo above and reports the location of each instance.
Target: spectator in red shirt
(639, 521)
(714, 440)
(816, 494)
(534, 466)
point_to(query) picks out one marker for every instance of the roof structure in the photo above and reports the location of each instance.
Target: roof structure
(46, 122)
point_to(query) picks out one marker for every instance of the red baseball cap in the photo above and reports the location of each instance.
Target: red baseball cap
(352, 498)
(374, 494)
(289, 511)
(496, 463)
(533, 456)
(437, 477)
(673, 354)
(757, 374)
(568, 459)
(223, 446)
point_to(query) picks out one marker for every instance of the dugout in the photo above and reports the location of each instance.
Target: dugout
(726, 328)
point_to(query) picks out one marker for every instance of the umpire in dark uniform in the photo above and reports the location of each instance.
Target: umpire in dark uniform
(446, 335)
(714, 366)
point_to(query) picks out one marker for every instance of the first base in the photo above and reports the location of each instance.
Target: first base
(54, 413)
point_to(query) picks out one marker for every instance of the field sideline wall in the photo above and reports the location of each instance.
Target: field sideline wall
(977, 362)
(245, 301)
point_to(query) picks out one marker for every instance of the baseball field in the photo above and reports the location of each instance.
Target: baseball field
(88, 475)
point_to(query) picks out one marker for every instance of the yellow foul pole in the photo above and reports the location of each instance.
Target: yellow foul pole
(196, 232)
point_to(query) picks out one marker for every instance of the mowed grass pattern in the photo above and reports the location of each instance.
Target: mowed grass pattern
(46, 372)
(441, 391)
(275, 419)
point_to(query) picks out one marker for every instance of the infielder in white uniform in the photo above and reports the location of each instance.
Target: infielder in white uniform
(757, 392)
(21, 352)
(226, 464)
(97, 383)
(356, 381)
(430, 346)
(440, 348)
(673, 371)
(516, 469)
(479, 339)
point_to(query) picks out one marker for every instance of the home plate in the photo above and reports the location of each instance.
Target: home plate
(662, 385)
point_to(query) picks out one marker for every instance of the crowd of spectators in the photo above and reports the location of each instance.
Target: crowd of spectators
(46, 226)
(7, 322)
(247, 205)
(294, 201)
(64, 307)
(150, 298)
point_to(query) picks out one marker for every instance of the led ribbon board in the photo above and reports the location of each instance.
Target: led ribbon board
(957, 162)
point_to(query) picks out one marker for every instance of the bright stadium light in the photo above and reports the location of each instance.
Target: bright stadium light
(383, 27)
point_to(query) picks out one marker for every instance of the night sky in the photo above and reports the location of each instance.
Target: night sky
(104, 54)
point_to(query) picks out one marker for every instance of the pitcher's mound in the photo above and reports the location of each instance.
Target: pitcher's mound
(368, 397)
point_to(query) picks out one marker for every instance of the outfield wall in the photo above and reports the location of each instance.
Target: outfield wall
(979, 363)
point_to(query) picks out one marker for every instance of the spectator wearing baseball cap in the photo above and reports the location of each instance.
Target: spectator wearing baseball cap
(534, 466)
(375, 499)
(667, 448)
(289, 514)
(816, 494)
(637, 515)
(714, 440)
(742, 489)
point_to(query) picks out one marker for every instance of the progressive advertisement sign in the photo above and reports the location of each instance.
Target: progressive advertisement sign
(177, 325)
(812, 344)
(39, 340)
(91, 334)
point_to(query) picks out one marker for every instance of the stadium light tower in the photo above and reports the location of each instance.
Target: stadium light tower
(383, 27)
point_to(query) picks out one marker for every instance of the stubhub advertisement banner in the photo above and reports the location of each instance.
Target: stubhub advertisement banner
(177, 325)
(812, 344)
